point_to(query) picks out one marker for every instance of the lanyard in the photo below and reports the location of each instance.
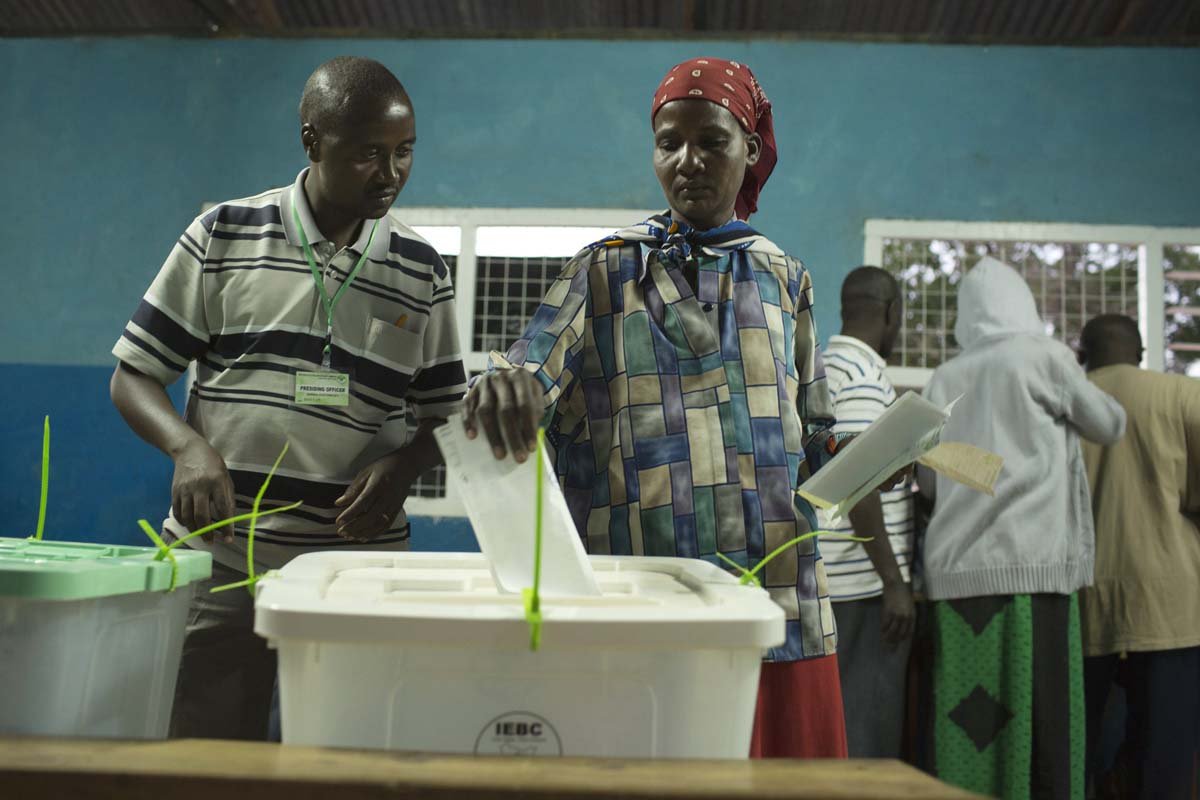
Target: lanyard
(330, 303)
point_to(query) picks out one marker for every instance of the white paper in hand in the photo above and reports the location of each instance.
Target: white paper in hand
(499, 496)
(909, 428)
(971, 466)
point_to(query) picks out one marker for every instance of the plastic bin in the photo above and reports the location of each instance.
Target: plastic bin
(416, 651)
(90, 639)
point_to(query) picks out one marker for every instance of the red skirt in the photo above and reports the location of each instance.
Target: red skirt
(799, 711)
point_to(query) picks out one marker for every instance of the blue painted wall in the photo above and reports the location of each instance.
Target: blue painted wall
(113, 145)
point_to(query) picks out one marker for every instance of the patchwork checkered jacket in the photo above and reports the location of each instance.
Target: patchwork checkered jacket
(679, 418)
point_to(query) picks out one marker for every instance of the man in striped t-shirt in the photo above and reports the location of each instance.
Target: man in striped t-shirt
(868, 583)
(315, 317)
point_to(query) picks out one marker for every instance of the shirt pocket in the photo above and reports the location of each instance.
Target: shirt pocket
(391, 357)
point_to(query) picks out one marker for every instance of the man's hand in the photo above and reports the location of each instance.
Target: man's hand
(375, 497)
(899, 612)
(202, 491)
(892, 482)
(897, 479)
(508, 404)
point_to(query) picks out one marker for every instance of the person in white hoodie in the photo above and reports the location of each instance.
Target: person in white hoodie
(1002, 572)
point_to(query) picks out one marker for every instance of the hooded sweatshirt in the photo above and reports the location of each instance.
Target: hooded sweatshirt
(1025, 398)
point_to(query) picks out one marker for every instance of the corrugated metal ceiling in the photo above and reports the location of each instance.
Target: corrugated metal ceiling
(1111, 22)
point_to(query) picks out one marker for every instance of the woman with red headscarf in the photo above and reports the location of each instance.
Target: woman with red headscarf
(676, 363)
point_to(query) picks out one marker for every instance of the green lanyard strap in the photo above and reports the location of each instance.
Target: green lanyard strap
(330, 303)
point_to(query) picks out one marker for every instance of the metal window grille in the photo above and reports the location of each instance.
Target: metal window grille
(1181, 317)
(433, 483)
(504, 287)
(1071, 282)
(507, 292)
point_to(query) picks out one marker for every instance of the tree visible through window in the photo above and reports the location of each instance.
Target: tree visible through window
(1071, 283)
(1181, 318)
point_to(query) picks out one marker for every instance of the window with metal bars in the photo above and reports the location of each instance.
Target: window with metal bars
(502, 262)
(1071, 283)
(501, 275)
(1181, 317)
(507, 292)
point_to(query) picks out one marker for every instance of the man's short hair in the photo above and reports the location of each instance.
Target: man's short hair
(343, 88)
(865, 287)
(1111, 332)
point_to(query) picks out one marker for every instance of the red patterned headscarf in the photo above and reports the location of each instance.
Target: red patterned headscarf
(733, 86)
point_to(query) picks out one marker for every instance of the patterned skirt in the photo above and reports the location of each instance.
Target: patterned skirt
(1008, 695)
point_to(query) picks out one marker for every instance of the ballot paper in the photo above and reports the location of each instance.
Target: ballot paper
(500, 499)
(909, 430)
(967, 464)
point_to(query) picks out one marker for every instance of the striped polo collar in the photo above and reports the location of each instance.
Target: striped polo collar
(294, 197)
(858, 344)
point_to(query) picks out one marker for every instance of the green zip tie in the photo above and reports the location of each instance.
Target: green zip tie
(247, 582)
(751, 575)
(533, 607)
(534, 617)
(227, 521)
(737, 566)
(251, 578)
(41, 519)
(163, 550)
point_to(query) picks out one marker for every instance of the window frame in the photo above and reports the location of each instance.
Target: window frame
(1149, 240)
(468, 221)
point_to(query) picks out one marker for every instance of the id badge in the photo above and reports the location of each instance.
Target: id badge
(325, 388)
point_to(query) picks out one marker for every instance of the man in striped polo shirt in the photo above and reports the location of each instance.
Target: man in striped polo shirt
(868, 583)
(315, 317)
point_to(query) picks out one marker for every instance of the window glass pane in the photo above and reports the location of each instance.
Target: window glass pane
(446, 239)
(526, 241)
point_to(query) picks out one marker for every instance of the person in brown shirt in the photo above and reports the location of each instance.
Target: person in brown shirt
(1141, 617)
